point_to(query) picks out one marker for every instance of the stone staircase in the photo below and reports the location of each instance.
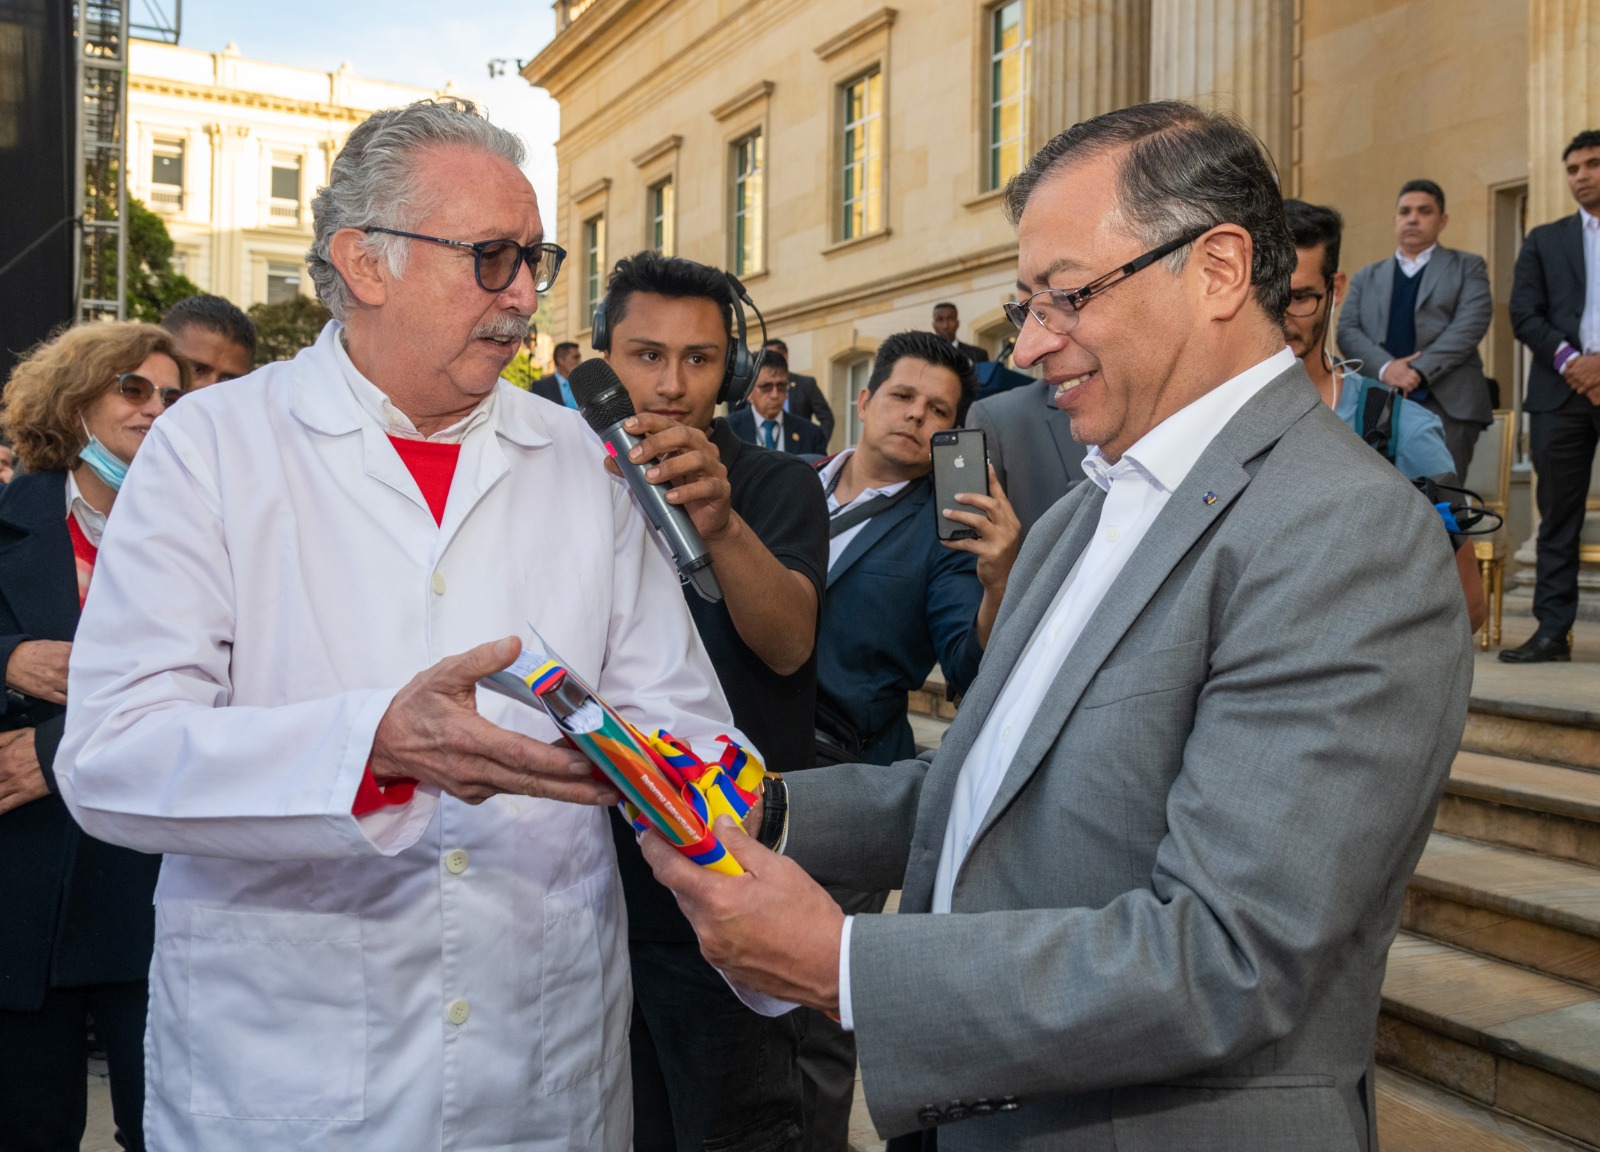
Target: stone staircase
(1489, 1036)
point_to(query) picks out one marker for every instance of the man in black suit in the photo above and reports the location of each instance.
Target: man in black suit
(765, 423)
(1555, 311)
(554, 387)
(946, 321)
(805, 398)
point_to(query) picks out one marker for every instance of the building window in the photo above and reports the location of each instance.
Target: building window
(283, 282)
(1008, 91)
(594, 261)
(285, 208)
(855, 379)
(862, 152)
(661, 238)
(166, 175)
(749, 204)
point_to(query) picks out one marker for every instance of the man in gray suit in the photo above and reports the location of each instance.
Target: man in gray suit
(1165, 841)
(1031, 447)
(1414, 321)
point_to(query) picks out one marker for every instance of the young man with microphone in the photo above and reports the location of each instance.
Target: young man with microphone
(705, 1068)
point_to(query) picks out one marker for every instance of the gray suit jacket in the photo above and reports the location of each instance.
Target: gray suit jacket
(1454, 308)
(1031, 447)
(1172, 924)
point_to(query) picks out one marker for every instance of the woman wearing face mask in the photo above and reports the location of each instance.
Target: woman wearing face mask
(78, 920)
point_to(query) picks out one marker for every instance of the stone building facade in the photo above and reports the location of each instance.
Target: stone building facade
(231, 150)
(848, 158)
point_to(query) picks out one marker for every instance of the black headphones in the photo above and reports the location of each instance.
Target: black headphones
(742, 366)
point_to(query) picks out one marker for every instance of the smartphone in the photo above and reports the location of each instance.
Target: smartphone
(960, 464)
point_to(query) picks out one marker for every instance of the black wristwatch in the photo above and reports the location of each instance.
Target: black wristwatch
(774, 812)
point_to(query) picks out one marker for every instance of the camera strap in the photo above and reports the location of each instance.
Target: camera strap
(847, 518)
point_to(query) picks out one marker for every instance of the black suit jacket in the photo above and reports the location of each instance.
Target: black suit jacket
(800, 437)
(1547, 292)
(547, 387)
(807, 402)
(78, 911)
(972, 352)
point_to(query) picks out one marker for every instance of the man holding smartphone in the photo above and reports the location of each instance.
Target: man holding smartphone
(898, 601)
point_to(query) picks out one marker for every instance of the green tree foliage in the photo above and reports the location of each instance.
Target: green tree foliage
(282, 329)
(153, 285)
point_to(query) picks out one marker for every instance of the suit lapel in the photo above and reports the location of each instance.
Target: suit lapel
(1384, 294)
(1573, 243)
(38, 576)
(1440, 265)
(877, 528)
(1179, 526)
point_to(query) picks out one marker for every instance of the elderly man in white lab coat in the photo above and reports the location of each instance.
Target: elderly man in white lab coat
(309, 570)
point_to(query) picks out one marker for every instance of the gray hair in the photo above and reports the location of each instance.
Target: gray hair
(373, 182)
(1185, 171)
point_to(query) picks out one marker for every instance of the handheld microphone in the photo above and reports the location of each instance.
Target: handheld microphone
(605, 404)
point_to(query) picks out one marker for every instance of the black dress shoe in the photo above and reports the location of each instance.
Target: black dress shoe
(1537, 651)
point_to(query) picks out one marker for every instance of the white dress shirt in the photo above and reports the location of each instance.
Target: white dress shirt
(1137, 487)
(90, 519)
(837, 544)
(1411, 265)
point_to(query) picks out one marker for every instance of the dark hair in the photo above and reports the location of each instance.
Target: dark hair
(1313, 226)
(1589, 138)
(927, 347)
(948, 305)
(670, 276)
(772, 359)
(564, 346)
(778, 344)
(214, 314)
(1185, 170)
(1427, 186)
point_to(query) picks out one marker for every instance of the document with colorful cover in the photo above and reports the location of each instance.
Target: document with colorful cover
(664, 785)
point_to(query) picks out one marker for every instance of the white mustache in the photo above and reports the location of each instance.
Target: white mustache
(504, 327)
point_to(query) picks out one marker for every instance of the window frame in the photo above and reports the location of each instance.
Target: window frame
(592, 231)
(869, 198)
(747, 258)
(661, 203)
(994, 173)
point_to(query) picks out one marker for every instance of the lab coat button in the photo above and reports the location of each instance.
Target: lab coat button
(438, 583)
(456, 862)
(459, 1011)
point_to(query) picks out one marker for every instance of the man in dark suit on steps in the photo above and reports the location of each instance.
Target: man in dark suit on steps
(946, 323)
(1555, 310)
(1414, 321)
(805, 396)
(764, 423)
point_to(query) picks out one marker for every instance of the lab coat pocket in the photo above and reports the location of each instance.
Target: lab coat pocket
(284, 1001)
(584, 1024)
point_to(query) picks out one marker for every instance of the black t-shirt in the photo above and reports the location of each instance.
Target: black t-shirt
(778, 496)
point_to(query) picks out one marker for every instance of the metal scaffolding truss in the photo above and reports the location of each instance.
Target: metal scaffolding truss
(101, 193)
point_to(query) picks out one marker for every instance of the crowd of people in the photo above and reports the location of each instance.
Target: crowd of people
(311, 888)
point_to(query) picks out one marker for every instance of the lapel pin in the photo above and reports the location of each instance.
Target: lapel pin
(1210, 497)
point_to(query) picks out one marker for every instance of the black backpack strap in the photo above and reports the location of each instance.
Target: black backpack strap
(1380, 411)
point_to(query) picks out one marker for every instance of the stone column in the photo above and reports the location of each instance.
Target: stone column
(1089, 57)
(1231, 55)
(1563, 95)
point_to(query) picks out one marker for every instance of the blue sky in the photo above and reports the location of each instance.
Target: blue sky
(409, 41)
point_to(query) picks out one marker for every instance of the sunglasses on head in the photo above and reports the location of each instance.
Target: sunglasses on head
(137, 390)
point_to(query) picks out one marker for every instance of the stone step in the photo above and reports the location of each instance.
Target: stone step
(1415, 1116)
(1548, 809)
(1544, 712)
(1518, 1041)
(1533, 911)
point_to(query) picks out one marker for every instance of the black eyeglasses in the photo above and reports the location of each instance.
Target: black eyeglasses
(1304, 304)
(773, 386)
(1057, 312)
(495, 263)
(137, 390)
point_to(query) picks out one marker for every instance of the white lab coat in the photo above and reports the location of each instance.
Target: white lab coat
(271, 578)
